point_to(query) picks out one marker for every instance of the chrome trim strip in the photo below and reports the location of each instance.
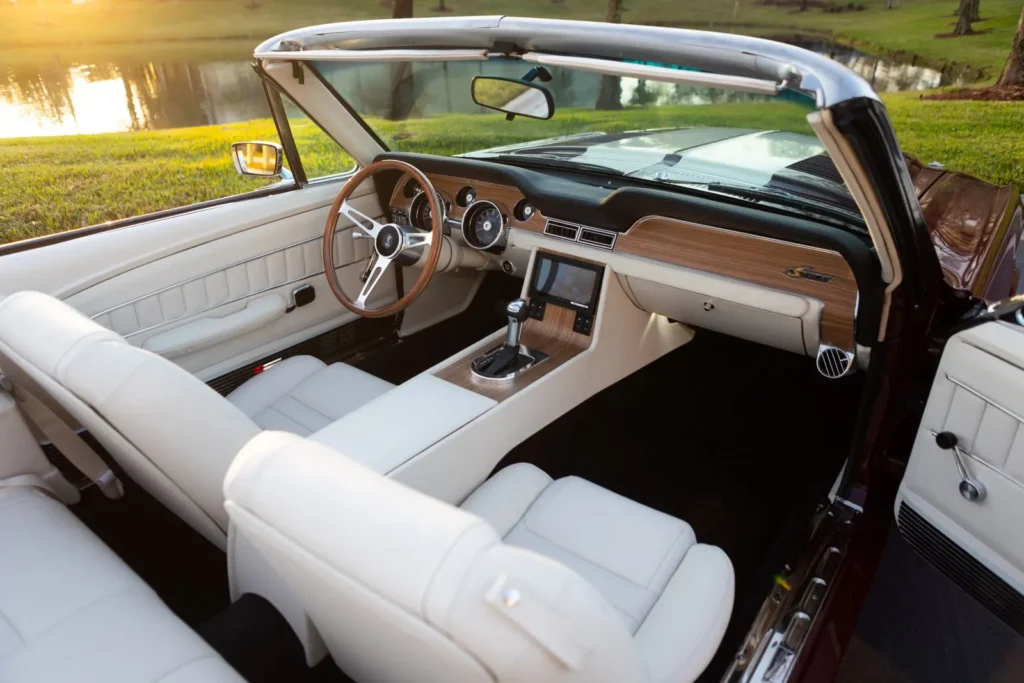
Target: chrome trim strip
(375, 55)
(657, 73)
(984, 398)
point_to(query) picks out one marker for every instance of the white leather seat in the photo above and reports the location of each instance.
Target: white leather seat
(673, 594)
(172, 434)
(587, 585)
(71, 610)
(301, 395)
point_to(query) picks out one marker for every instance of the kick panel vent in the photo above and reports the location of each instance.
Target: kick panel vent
(594, 237)
(566, 231)
(598, 238)
(834, 363)
(976, 579)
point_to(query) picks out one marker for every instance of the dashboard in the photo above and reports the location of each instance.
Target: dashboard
(736, 267)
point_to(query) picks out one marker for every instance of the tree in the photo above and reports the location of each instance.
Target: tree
(975, 9)
(403, 83)
(402, 9)
(609, 97)
(963, 22)
(613, 15)
(1013, 71)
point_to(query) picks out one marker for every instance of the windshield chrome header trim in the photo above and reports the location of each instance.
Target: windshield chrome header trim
(656, 73)
(717, 53)
(375, 55)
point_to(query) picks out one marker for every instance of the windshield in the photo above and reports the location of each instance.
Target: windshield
(755, 147)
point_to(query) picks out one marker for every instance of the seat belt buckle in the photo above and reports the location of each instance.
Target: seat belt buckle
(110, 485)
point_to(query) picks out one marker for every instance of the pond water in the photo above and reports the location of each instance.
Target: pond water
(65, 97)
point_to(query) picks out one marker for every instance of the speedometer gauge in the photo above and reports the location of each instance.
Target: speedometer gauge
(483, 226)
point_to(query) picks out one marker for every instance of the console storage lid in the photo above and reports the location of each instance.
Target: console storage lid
(395, 427)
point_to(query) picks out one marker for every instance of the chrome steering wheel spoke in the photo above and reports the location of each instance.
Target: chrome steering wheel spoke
(417, 239)
(376, 272)
(360, 220)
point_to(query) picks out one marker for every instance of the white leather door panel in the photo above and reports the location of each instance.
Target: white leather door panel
(205, 287)
(978, 395)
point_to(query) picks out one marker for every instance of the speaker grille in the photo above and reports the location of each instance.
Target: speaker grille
(975, 578)
(834, 363)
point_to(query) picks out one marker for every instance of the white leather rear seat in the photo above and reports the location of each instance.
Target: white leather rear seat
(673, 594)
(302, 395)
(71, 610)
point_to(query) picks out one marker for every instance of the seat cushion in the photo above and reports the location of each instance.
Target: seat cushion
(673, 594)
(71, 610)
(302, 395)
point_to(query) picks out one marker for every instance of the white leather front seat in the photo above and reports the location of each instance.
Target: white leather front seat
(553, 581)
(71, 610)
(172, 434)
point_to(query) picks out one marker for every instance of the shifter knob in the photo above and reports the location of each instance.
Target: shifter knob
(517, 312)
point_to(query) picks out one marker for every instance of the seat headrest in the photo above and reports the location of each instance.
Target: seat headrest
(367, 526)
(43, 330)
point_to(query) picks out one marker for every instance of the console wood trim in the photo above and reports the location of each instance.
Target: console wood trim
(752, 258)
(504, 196)
(553, 335)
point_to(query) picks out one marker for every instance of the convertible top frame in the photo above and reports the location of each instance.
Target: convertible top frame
(715, 53)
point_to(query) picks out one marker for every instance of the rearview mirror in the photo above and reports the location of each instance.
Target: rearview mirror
(261, 159)
(514, 97)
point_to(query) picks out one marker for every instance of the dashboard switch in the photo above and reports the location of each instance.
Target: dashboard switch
(584, 324)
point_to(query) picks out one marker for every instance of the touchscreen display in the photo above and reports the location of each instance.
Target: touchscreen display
(566, 281)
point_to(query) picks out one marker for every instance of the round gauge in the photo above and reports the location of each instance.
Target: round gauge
(411, 189)
(524, 210)
(420, 215)
(466, 196)
(483, 226)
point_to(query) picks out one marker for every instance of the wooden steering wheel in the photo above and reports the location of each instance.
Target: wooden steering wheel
(389, 241)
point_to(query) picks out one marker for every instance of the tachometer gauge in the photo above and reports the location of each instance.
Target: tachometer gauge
(483, 226)
(420, 215)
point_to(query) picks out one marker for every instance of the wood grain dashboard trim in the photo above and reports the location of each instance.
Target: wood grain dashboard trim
(504, 196)
(759, 260)
(553, 335)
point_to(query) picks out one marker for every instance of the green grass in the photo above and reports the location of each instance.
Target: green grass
(197, 25)
(985, 139)
(60, 183)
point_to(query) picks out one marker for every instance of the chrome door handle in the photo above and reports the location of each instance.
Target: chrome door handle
(970, 488)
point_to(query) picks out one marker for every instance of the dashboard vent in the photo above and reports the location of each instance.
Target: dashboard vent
(566, 231)
(834, 363)
(598, 238)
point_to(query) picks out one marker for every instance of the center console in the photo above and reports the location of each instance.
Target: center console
(572, 285)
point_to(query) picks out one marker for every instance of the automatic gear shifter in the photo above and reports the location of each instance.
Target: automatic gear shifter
(511, 358)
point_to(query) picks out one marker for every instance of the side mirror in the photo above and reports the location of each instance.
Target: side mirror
(513, 96)
(261, 159)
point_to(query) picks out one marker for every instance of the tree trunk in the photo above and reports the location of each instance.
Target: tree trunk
(963, 22)
(1013, 71)
(803, 5)
(609, 97)
(975, 8)
(613, 15)
(402, 9)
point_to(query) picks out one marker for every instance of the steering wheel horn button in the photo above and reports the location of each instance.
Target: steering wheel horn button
(389, 241)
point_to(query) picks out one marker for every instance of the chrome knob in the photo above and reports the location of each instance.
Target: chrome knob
(970, 488)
